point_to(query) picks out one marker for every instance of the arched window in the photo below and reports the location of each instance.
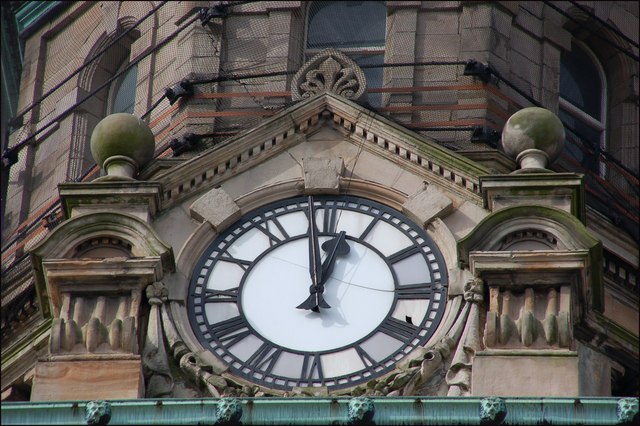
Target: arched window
(122, 94)
(118, 96)
(357, 28)
(583, 106)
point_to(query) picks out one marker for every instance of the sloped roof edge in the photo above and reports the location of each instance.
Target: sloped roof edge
(291, 126)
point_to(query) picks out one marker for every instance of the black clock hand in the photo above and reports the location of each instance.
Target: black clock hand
(315, 300)
(335, 247)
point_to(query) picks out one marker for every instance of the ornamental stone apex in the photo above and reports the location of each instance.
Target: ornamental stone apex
(329, 71)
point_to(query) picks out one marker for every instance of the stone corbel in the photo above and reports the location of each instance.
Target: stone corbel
(459, 374)
(93, 312)
(155, 363)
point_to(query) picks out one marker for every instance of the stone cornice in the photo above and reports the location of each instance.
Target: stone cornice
(366, 128)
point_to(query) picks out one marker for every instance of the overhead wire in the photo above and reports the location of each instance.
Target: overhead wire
(234, 77)
(66, 112)
(89, 61)
(604, 23)
(592, 31)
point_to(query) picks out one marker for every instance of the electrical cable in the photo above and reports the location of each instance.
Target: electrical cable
(83, 66)
(66, 112)
(604, 23)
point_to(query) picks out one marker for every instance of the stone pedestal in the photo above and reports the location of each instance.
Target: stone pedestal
(88, 379)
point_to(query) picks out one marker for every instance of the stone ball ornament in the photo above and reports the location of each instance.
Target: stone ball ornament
(122, 144)
(534, 137)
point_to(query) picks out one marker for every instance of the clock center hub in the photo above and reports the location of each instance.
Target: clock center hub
(360, 291)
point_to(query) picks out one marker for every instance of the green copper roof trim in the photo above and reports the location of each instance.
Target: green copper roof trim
(341, 411)
(32, 13)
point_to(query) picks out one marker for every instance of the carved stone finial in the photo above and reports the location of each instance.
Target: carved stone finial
(627, 410)
(122, 144)
(361, 410)
(228, 411)
(493, 411)
(97, 412)
(534, 137)
(329, 71)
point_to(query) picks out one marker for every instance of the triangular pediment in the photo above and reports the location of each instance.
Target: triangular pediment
(322, 116)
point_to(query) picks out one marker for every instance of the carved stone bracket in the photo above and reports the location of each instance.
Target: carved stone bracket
(459, 373)
(329, 71)
(473, 290)
(91, 313)
(155, 363)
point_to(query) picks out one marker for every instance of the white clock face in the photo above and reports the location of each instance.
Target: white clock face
(334, 302)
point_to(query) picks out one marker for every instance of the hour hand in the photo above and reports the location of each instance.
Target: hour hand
(334, 248)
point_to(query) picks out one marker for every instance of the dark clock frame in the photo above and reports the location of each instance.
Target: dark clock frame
(219, 337)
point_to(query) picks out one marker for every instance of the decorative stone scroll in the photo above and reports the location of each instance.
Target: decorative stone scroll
(329, 71)
(155, 363)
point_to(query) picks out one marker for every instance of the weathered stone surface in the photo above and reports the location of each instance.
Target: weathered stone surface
(533, 128)
(87, 379)
(547, 376)
(322, 174)
(216, 207)
(427, 204)
(122, 134)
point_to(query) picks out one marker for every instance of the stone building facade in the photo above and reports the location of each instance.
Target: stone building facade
(229, 109)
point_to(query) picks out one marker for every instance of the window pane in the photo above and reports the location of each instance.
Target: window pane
(582, 143)
(346, 24)
(580, 81)
(125, 94)
(373, 75)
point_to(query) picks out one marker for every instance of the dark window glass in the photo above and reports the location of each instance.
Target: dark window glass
(357, 28)
(580, 81)
(125, 94)
(373, 75)
(343, 24)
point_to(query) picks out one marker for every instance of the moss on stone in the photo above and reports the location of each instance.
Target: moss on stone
(122, 134)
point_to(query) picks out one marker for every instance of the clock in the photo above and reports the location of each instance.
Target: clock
(322, 291)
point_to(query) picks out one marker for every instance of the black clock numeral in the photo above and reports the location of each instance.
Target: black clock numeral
(403, 254)
(414, 291)
(311, 368)
(231, 331)
(266, 355)
(244, 264)
(330, 219)
(398, 329)
(366, 359)
(217, 296)
(369, 227)
(273, 240)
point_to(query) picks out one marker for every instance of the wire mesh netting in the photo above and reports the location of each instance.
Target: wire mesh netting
(237, 72)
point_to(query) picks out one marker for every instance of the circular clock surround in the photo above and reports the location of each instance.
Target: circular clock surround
(386, 294)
